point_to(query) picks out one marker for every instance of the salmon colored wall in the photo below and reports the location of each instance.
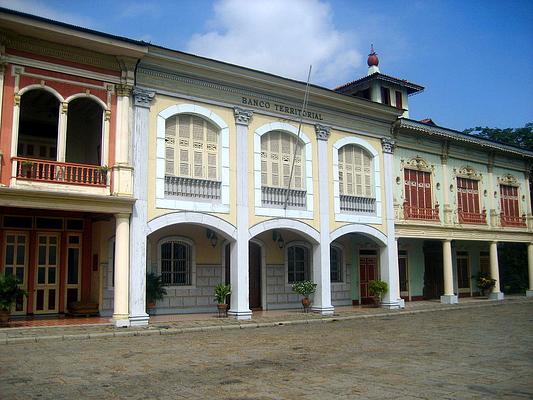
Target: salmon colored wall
(63, 88)
(62, 62)
(7, 122)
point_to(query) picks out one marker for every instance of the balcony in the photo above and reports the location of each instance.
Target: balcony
(30, 169)
(421, 213)
(472, 218)
(276, 197)
(358, 205)
(192, 188)
(507, 220)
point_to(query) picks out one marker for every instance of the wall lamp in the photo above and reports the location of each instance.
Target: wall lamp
(212, 236)
(276, 237)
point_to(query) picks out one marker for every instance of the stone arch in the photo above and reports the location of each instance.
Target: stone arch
(217, 224)
(365, 230)
(299, 227)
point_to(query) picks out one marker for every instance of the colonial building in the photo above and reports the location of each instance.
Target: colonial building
(122, 158)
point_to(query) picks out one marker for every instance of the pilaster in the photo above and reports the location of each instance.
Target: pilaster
(446, 207)
(321, 256)
(137, 299)
(122, 170)
(239, 273)
(389, 254)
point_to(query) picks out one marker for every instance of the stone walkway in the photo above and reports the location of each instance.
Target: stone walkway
(477, 350)
(176, 324)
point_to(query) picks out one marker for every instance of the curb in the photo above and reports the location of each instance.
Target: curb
(213, 328)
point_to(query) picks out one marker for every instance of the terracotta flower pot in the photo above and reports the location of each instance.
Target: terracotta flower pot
(306, 303)
(4, 318)
(222, 310)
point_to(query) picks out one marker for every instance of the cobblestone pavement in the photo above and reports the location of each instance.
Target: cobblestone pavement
(470, 353)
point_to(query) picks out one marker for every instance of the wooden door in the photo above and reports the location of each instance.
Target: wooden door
(403, 269)
(368, 271)
(15, 263)
(47, 276)
(254, 255)
(433, 270)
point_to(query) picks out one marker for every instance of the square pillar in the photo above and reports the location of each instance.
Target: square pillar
(239, 274)
(321, 258)
(389, 254)
(139, 218)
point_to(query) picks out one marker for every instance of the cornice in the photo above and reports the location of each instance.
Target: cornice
(61, 52)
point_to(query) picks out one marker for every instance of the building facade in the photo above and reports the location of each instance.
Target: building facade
(122, 158)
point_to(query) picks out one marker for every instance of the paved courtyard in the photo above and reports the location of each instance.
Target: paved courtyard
(477, 353)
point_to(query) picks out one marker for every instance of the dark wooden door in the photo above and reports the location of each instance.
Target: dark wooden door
(433, 270)
(255, 275)
(367, 272)
(227, 269)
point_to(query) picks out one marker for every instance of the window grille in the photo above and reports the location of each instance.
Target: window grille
(176, 263)
(298, 263)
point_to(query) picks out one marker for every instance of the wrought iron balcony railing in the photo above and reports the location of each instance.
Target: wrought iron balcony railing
(421, 213)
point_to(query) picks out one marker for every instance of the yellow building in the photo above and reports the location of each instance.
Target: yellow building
(203, 172)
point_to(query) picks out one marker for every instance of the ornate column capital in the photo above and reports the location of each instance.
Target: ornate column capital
(142, 97)
(242, 116)
(64, 107)
(123, 90)
(388, 145)
(322, 132)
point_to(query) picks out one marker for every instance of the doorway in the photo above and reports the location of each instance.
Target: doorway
(433, 270)
(368, 271)
(254, 255)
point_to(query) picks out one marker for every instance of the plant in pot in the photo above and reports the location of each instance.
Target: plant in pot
(10, 291)
(485, 283)
(222, 291)
(155, 290)
(305, 289)
(377, 288)
(26, 168)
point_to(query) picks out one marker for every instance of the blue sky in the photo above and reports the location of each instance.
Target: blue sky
(475, 58)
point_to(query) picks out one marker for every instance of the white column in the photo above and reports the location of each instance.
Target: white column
(2, 73)
(529, 293)
(389, 254)
(62, 132)
(139, 218)
(239, 266)
(122, 247)
(493, 214)
(449, 297)
(122, 170)
(495, 294)
(527, 211)
(321, 258)
(447, 208)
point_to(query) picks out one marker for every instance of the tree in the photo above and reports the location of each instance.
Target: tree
(520, 137)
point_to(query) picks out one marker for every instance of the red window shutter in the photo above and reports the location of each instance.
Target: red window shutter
(399, 100)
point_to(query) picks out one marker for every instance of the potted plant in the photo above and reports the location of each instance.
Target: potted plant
(377, 288)
(10, 291)
(155, 290)
(305, 289)
(485, 283)
(26, 168)
(222, 291)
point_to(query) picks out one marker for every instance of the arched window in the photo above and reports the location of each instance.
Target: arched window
(277, 155)
(175, 262)
(38, 125)
(355, 172)
(191, 148)
(335, 263)
(84, 132)
(298, 263)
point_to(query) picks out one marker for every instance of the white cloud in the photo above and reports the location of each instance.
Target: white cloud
(280, 37)
(42, 9)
